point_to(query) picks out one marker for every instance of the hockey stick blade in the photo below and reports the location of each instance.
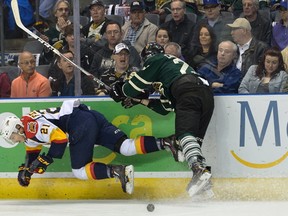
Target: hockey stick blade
(15, 10)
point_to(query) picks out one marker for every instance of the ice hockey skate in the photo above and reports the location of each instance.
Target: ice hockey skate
(126, 176)
(201, 177)
(169, 143)
(205, 194)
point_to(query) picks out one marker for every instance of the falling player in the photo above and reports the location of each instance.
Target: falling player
(186, 93)
(85, 129)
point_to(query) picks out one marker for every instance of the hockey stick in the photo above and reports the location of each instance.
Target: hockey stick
(15, 10)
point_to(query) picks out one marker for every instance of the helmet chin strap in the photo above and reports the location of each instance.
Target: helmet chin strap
(22, 133)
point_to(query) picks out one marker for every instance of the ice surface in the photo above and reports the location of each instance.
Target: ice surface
(138, 208)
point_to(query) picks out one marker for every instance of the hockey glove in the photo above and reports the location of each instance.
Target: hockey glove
(116, 92)
(130, 102)
(40, 164)
(24, 176)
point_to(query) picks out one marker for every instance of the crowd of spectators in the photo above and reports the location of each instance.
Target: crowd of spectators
(238, 46)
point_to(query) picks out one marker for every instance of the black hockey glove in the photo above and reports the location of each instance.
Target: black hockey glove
(116, 92)
(130, 102)
(24, 175)
(40, 164)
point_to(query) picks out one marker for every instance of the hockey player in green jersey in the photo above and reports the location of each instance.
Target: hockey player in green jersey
(183, 91)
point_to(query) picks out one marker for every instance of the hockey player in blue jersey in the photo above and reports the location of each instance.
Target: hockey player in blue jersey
(85, 129)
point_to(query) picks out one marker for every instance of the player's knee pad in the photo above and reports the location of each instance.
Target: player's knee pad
(119, 143)
(80, 173)
(128, 147)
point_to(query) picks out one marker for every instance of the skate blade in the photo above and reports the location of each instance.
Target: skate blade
(202, 182)
(204, 195)
(181, 157)
(129, 172)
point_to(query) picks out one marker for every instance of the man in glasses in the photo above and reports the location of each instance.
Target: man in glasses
(180, 26)
(55, 33)
(102, 59)
(29, 83)
(61, 13)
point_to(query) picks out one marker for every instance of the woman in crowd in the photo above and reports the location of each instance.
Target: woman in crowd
(269, 76)
(204, 49)
(162, 36)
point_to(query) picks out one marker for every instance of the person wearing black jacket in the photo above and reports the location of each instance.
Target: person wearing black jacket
(180, 27)
(64, 85)
(96, 28)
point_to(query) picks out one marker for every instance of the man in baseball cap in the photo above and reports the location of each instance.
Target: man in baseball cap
(136, 6)
(250, 49)
(96, 2)
(119, 47)
(241, 23)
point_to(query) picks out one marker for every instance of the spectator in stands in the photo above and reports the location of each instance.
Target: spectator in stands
(260, 25)
(103, 60)
(45, 8)
(26, 14)
(86, 53)
(61, 13)
(204, 48)
(234, 6)
(180, 27)
(162, 36)
(174, 49)
(216, 20)
(250, 49)
(5, 85)
(120, 72)
(139, 30)
(29, 83)
(95, 29)
(269, 76)
(55, 33)
(280, 29)
(223, 76)
(65, 85)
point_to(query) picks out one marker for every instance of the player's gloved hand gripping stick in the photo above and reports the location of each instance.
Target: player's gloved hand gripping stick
(40, 164)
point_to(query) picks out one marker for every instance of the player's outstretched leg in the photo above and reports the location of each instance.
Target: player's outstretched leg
(126, 176)
(196, 161)
(200, 181)
(170, 144)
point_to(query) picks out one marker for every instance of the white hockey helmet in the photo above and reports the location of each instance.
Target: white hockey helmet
(8, 126)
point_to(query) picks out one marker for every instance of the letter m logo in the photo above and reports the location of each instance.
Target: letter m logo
(272, 111)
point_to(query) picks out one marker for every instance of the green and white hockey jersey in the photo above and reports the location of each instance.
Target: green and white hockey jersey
(160, 71)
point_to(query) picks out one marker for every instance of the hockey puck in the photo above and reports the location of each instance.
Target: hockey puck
(150, 207)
